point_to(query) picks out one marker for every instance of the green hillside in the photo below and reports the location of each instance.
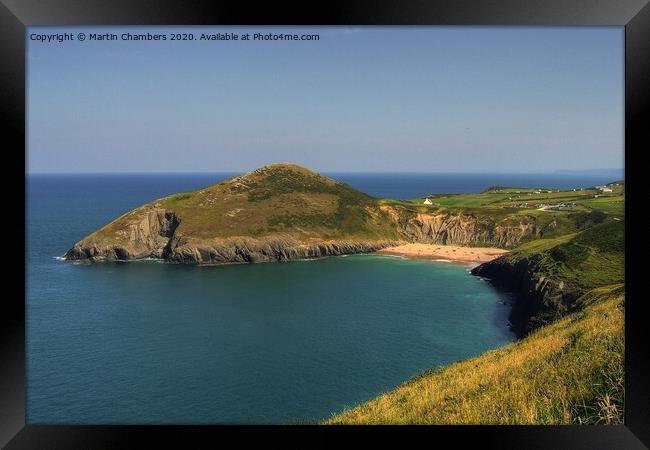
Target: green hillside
(585, 260)
(279, 198)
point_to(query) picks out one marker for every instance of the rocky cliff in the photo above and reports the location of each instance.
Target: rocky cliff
(147, 234)
(460, 229)
(537, 299)
(547, 276)
(153, 234)
(247, 250)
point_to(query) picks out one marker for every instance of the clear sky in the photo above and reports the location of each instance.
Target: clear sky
(387, 99)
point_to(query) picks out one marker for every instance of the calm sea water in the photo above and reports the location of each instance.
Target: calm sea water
(148, 342)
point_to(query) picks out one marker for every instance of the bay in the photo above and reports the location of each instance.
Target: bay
(149, 342)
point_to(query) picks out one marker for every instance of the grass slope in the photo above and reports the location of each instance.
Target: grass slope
(591, 258)
(278, 198)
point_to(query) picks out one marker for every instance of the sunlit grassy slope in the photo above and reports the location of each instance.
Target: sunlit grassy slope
(278, 198)
(585, 260)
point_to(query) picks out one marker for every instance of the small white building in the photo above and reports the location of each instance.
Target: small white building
(606, 189)
(427, 201)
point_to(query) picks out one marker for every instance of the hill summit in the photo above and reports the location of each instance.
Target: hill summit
(279, 211)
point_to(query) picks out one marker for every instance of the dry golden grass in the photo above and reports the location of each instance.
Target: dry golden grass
(567, 372)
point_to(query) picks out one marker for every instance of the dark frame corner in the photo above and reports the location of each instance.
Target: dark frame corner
(634, 15)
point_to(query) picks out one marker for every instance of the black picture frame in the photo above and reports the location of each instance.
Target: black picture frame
(634, 15)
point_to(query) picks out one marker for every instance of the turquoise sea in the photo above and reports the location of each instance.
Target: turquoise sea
(149, 342)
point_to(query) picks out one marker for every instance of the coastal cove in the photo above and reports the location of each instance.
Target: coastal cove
(292, 226)
(266, 343)
(262, 343)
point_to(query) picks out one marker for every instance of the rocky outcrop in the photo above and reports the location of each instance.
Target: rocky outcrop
(153, 234)
(247, 250)
(537, 299)
(147, 236)
(466, 230)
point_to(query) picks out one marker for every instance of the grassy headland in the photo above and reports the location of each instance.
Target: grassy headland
(279, 198)
(281, 211)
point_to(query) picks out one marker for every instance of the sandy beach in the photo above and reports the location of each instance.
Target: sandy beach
(451, 252)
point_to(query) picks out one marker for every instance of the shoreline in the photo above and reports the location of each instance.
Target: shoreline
(432, 252)
(455, 253)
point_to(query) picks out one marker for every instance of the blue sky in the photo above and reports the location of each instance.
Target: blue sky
(387, 99)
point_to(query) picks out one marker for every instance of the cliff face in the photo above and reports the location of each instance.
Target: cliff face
(154, 234)
(247, 250)
(147, 235)
(547, 276)
(463, 230)
(538, 300)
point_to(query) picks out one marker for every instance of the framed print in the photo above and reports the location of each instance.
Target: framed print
(240, 219)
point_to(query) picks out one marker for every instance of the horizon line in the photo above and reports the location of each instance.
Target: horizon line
(414, 172)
